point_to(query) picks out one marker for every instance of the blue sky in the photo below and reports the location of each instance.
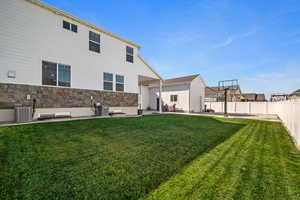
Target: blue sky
(255, 41)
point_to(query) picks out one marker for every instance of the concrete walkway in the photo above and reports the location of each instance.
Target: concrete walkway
(65, 119)
(274, 118)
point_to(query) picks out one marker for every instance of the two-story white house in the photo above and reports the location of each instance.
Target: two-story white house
(65, 64)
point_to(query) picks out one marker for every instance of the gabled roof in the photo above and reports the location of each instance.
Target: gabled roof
(249, 96)
(76, 19)
(142, 59)
(254, 97)
(185, 79)
(260, 97)
(297, 92)
(216, 88)
(211, 91)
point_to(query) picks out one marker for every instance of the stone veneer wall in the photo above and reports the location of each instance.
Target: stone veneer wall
(55, 97)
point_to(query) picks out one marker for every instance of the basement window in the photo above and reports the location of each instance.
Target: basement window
(54, 74)
(107, 81)
(119, 83)
(94, 42)
(129, 54)
(173, 98)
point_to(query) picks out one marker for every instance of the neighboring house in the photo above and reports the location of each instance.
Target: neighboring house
(295, 95)
(213, 94)
(64, 63)
(187, 93)
(279, 97)
(253, 97)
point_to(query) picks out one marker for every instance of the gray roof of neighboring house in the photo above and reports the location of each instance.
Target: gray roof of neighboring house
(249, 96)
(254, 97)
(215, 90)
(210, 91)
(261, 97)
(181, 79)
(297, 93)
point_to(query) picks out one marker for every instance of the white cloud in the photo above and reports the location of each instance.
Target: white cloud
(229, 40)
(225, 43)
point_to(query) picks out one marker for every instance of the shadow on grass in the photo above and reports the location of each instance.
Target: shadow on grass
(116, 158)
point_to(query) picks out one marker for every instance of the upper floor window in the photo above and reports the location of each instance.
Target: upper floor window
(70, 27)
(120, 83)
(173, 98)
(129, 54)
(56, 74)
(94, 42)
(74, 28)
(107, 81)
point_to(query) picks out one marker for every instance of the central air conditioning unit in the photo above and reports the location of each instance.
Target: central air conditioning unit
(23, 114)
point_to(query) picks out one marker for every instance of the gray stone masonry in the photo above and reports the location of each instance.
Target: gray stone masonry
(54, 97)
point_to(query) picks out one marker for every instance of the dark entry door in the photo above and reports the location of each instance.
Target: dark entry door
(157, 104)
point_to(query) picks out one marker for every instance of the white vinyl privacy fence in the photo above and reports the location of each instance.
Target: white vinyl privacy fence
(288, 112)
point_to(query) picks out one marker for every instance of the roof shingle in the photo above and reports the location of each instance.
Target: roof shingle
(181, 79)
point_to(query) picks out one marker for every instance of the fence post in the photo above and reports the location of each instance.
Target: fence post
(249, 108)
(234, 107)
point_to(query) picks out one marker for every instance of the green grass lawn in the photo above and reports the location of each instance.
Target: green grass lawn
(152, 157)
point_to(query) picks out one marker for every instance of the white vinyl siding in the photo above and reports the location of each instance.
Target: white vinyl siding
(31, 34)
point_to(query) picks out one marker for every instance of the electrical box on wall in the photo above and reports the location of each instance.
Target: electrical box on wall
(11, 74)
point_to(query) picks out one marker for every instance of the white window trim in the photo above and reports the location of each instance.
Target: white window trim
(57, 75)
(130, 54)
(95, 43)
(172, 97)
(120, 83)
(70, 29)
(108, 81)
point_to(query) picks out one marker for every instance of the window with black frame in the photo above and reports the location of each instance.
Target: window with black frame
(129, 54)
(64, 75)
(49, 73)
(94, 42)
(69, 26)
(54, 74)
(107, 81)
(173, 98)
(119, 83)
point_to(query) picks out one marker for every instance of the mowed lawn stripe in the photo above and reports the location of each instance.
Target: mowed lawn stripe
(194, 179)
(250, 170)
(228, 182)
(259, 166)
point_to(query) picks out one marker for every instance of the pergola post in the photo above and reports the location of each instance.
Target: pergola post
(141, 96)
(160, 99)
